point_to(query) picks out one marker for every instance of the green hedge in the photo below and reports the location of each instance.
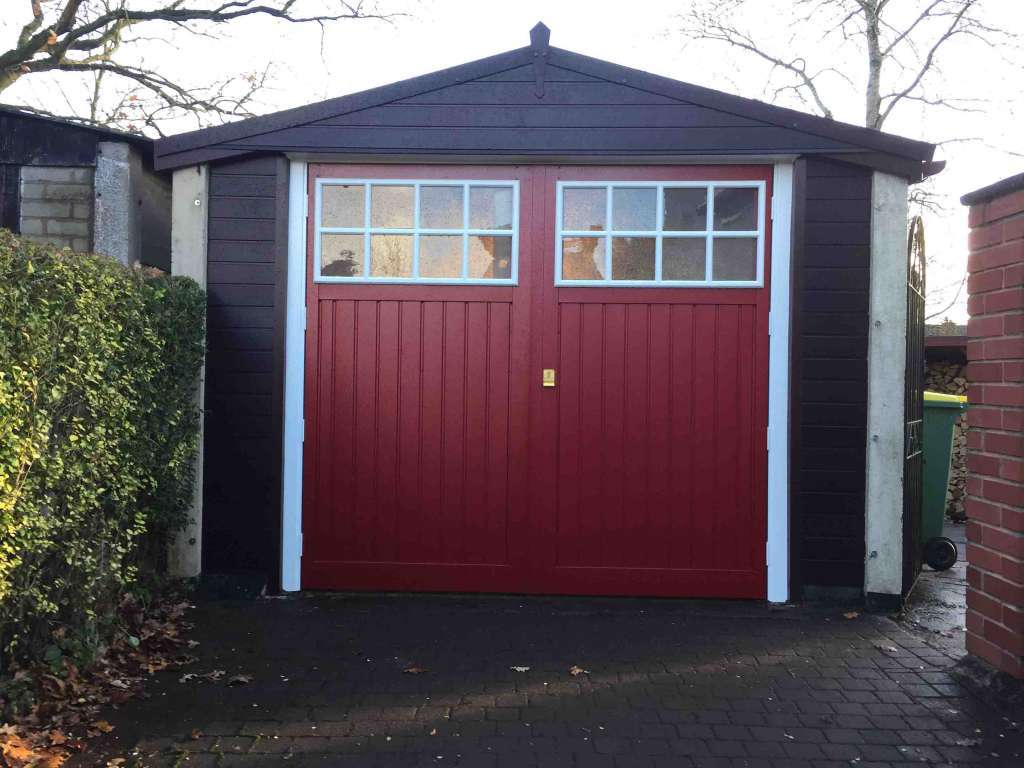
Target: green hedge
(98, 431)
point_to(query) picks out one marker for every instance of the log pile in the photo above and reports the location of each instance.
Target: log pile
(949, 377)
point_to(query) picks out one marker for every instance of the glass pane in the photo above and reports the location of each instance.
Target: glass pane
(634, 208)
(391, 206)
(341, 255)
(391, 255)
(441, 207)
(490, 207)
(686, 209)
(583, 209)
(440, 255)
(633, 258)
(583, 258)
(734, 258)
(683, 258)
(736, 209)
(490, 258)
(343, 205)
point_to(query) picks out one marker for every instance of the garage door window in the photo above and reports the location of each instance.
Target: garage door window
(661, 234)
(417, 231)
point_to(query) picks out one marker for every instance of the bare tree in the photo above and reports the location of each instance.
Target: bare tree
(102, 42)
(900, 42)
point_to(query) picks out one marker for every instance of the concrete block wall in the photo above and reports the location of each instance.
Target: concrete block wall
(57, 205)
(995, 453)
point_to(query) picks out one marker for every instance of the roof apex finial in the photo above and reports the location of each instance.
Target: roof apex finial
(539, 37)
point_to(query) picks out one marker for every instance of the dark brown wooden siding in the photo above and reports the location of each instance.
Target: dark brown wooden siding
(244, 384)
(830, 373)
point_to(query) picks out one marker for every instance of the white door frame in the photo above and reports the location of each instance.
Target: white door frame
(777, 545)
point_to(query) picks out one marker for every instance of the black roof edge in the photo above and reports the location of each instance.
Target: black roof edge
(873, 141)
(998, 189)
(111, 133)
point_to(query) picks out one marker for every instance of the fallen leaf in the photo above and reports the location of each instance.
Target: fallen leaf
(195, 735)
(239, 679)
(103, 726)
(519, 669)
(57, 737)
(576, 671)
(851, 615)
(414, 670)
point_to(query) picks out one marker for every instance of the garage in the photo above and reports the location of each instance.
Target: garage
(540, 323)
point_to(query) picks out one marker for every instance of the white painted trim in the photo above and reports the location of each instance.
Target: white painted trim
(708, 234)
(778, 385)
(294, 381)
(465, 231)
(887, 361)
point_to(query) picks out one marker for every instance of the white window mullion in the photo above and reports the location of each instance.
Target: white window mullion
(416, 231)
(710, 227)
(659, 225)
(608, 234)
(366, 235)
(465, 231)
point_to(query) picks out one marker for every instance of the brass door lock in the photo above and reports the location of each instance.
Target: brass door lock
(547, 377)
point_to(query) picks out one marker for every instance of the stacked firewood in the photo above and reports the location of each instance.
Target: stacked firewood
(949, 378)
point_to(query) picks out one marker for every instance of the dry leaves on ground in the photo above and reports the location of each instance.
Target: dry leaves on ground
(65, 714)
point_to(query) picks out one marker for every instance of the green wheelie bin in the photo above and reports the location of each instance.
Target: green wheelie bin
(940, 414)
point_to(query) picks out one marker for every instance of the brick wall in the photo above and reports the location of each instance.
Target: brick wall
(56, 206)
(995, 372)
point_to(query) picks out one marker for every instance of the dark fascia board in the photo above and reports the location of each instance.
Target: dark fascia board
(288, 118)
(175, 151)
(1004, 187)
(111, 134)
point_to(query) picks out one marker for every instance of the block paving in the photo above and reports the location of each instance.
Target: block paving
(489, 681)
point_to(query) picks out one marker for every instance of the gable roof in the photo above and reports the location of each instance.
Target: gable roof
(109, 134)
(544, 101)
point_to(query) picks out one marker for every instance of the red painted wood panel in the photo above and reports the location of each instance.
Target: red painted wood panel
(435, 460)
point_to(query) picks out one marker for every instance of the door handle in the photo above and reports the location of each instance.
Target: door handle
(547, 377)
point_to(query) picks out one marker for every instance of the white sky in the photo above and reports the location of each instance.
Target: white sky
(353, 56)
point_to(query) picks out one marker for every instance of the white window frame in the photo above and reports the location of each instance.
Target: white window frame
(465, 231)
(708, 234)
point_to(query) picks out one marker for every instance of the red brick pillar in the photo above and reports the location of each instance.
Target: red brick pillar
(995, 441)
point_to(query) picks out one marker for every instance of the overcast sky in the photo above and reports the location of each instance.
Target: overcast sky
(353, 56)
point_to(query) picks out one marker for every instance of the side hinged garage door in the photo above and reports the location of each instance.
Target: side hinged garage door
(537, 379)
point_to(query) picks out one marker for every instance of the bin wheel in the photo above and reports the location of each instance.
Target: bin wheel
(940, 553)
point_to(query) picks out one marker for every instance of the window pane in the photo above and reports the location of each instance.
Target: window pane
(683, 258)
(490, 208)
(634, 208)
(583, 209)
(686, 209)
(633, 258)
(391, 255)
(391, 206)
(341, 255)
(441, 207)
(343, 205)
(490, 258)
(736, 209)
(582, 258)
(734, 258)
(441, 255)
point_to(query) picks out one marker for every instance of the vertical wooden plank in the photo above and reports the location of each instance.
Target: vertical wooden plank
(384, 534)
(705, 435)
(682, 393)
(614, 433)
(748, 500)
(570, 394)
(429, 523)
(589, 529)
(661, 504)
(359, 539)
(497, 434)
(453, 509)
(728, 532)
(476, 454)
(410, 390)
(635, 546)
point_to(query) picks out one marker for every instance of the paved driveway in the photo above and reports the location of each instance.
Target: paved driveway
(422, 680)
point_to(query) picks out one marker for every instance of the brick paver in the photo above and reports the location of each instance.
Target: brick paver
(424, 680)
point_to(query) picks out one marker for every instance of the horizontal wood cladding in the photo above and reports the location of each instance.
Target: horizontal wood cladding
(830, 382)
(245, 272)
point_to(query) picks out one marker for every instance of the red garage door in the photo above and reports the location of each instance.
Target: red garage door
(537, 379)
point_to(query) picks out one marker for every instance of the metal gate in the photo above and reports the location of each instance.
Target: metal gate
(913, 465)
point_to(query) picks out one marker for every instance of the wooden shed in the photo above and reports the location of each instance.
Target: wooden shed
(540, 323)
